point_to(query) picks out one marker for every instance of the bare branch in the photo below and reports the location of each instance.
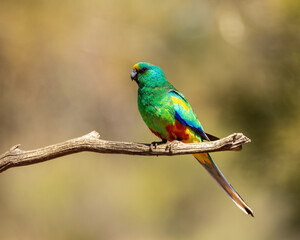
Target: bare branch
(91, 142)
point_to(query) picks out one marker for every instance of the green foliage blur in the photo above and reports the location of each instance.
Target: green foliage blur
(65, 71)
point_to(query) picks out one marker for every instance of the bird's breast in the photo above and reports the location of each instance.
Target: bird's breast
(157, 110)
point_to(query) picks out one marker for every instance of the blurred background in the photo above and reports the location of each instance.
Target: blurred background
(65, 71)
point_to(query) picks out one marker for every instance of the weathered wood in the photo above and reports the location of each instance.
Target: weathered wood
(91, 142)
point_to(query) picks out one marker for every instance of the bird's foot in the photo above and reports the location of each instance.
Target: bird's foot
(154, 145)
(171, 145)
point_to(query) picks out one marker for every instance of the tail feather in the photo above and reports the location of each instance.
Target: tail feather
(207, 162)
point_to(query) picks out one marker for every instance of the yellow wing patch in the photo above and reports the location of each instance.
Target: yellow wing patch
(180, 102)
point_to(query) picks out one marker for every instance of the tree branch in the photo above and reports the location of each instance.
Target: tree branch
(91, 142)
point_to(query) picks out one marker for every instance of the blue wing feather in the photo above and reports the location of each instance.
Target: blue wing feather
(184, 115)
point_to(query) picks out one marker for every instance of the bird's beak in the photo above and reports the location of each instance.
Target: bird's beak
(133, 74)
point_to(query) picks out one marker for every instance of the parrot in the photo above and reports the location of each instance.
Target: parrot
(169, 116)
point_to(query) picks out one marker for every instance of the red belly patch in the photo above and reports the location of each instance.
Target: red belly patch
(178, 131)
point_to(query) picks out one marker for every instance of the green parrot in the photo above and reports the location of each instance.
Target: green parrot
(170, 117)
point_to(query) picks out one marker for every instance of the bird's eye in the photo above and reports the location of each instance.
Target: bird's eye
(144, 69)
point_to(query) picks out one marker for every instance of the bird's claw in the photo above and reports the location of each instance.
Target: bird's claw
(171, 145)
(154, 145)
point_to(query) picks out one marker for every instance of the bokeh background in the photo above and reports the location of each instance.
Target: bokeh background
(65, 71)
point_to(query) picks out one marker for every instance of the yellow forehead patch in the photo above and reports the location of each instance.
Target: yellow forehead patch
(180, 102)
(137, 67)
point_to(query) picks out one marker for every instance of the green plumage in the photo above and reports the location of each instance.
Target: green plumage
(156, 106)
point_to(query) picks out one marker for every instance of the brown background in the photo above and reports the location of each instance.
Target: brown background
(65, 71)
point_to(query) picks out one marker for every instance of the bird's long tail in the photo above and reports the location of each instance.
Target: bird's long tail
(207, 162)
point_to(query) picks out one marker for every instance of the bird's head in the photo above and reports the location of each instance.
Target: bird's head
(146, 74)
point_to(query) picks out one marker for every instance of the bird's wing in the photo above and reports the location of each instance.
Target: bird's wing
(185, 114)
